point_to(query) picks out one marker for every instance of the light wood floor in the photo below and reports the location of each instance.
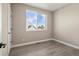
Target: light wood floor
(49, 48)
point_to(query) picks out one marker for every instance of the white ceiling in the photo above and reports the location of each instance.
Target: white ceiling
(48, 6)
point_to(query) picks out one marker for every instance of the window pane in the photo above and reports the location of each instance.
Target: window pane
(31, 20)
(41, 21)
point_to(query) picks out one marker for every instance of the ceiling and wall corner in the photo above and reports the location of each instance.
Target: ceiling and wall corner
(48, 6)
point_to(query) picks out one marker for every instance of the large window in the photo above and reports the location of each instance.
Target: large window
(35, 21)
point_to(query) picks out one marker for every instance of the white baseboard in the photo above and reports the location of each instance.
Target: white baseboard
(65, 43)
(18, 45)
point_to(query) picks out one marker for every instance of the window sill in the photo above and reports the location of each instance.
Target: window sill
(35, 30)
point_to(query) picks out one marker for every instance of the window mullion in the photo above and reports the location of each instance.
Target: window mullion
(37, 22)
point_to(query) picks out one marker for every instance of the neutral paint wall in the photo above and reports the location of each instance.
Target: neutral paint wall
(66, 24)
(5, 27)
(0, 23)
(20, 35)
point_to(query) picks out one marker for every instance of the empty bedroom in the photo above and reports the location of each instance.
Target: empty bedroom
(40, 29)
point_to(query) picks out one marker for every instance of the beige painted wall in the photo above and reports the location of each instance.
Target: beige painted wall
(5, 28)
(66, 24)
(19, 25)
(0, 22)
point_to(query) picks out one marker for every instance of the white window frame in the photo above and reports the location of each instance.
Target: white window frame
(37, 22)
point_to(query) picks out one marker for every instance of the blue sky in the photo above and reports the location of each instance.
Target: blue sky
(33, 17)
(41, 19)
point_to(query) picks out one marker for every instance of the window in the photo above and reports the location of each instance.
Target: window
(35, 21)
